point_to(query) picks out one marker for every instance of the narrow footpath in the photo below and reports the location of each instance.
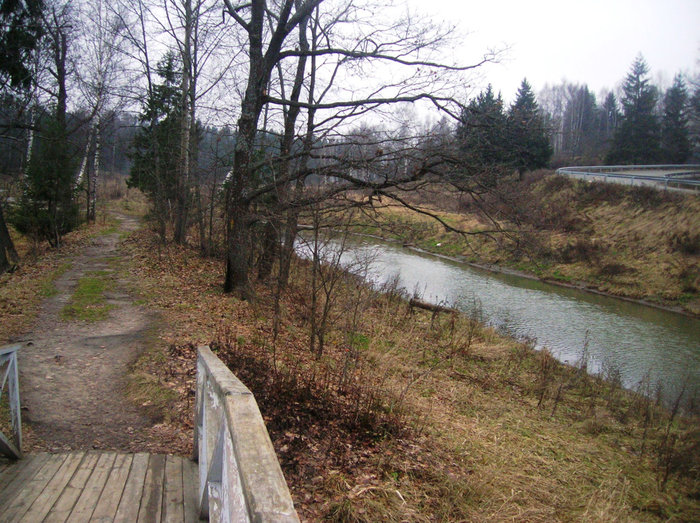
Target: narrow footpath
(73, 374)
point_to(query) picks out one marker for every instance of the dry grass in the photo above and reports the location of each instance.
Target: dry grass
(465, 424)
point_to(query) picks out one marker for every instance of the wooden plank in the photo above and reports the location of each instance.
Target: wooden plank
(128, 510)
(173, 499)
(23, 471)
(15, 468)
(112, 493)
(190, 484)
(87, 501)
(41, 506)
(63, 507)
(150, 508)
(32, 489)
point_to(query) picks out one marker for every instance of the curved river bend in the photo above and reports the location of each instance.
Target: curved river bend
(633, 338)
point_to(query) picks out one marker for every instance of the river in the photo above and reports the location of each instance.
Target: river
(635, 339)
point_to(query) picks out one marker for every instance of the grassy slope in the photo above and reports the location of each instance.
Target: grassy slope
(437, 421)
(631, 242)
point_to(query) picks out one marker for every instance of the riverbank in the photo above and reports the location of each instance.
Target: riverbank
(633, 243)
(406, 416)
(495, 269)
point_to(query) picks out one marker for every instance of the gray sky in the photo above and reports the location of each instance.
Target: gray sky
(591, 41)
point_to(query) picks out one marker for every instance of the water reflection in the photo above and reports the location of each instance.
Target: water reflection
(634, 338)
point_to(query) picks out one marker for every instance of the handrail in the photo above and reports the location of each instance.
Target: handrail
(240, 478)
(11, 447)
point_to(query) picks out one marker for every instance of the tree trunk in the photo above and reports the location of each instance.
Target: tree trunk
(95, 175)
(185, 130)
(269, 250)
(237, 257)
(8, 254)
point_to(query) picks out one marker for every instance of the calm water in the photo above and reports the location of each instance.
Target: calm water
(633, 338)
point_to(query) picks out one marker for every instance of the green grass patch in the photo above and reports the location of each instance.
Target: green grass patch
(47, 288)
(88, 300)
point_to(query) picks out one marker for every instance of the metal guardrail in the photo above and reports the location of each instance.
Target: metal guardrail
(11, 447)
(240, 478)
(605, 172)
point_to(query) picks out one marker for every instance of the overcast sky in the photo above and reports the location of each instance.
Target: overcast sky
(591, 41)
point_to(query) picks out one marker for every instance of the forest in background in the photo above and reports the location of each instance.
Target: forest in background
(259, 115)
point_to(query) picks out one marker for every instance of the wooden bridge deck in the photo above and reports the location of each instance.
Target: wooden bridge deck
(98, 486)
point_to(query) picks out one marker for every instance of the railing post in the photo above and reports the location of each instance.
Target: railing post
(11, 447)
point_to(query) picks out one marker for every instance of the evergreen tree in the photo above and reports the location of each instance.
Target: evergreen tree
(155, 151)
(527, 133)
(675, 139)
(482, 133)
(637, 138)
(20, 31)
(609, 119)
(47, 209)
(695, 124)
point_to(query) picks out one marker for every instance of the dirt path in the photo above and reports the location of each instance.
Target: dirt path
(73, 374)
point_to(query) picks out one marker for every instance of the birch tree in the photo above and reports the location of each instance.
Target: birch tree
(100, 75)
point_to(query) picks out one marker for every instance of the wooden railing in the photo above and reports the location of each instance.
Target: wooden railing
(12, 446)
(240, 478)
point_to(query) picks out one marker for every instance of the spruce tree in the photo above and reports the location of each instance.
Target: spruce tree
(20, 32)
(48, 209)
(155, 151)
(482, 133)
(609, 119)
(528, 143)
(695, 124)
(675, 139)
(637, 138)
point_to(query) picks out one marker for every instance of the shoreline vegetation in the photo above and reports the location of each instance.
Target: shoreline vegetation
(633, 243)
(408, 415)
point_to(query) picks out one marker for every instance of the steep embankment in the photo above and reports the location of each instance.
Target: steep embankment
(631, 242)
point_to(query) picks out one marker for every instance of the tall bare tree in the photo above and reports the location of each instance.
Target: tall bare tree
(100, 81)
(401, 45)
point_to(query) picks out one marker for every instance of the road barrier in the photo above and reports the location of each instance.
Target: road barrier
(660, 176)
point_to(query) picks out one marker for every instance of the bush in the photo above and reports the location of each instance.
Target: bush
(582, 249)
(647, 197)
(685, 242)
(38, 220)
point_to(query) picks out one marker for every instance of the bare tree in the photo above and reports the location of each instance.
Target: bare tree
(101, 83)
(401, 45)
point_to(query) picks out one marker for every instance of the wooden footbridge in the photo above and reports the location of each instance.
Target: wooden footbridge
(234, 476)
